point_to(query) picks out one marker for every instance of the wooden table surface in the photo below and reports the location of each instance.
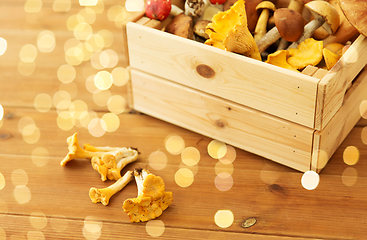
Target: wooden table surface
(39, 199)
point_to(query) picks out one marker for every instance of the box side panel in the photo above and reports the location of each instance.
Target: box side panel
(329, 139)
(273, 138)
(333, 86)
(271, 89)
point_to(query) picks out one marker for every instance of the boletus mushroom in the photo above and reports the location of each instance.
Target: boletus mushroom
(181, 25)
(355, 11)
(288, 25)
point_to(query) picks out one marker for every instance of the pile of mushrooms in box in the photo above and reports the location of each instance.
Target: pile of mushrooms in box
(306, 32)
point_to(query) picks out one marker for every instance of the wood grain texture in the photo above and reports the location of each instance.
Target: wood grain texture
(243, 80)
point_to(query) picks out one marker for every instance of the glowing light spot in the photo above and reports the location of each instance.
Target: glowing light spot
(134, 5)
(88, 2)
(224, 218)
(3, 46)
(120, 76)
(174, 144)
(78, 109)
(190, 156)
(108, 58)
(351, 155)
(43, 102)
(90, 86)
(349, 176)
(95, 60)
(65, 121)
(92, 228)
(83, 31)
(70, 88)
(32, 137)
(323, 158)
(310, 180)
(40, 157)
(114, 11)
(73, 21)
(22, 194)
(223, 181)
(35, 235)
(28, 53)
(221, 167)
(87, 51)
(46, 41)
(72, 43)
(33, 6)
(363, 135)
(116, 104)
(155, 228)
(98, 8)
(96, 127)
(107, 37)
(88, 14)
(230, 155)
(74, 56)
(157, 160)
(26, 69)
(1, 112)
(25, 121)
(112, 122)
(2, 181)
(59, 223)
(184, 177)
(103, 80)
(97, 42)
(217, 149)
(101, 98)
(38, 220)
(84, 122)
(61, 5)
(194, 169)
(60, 96)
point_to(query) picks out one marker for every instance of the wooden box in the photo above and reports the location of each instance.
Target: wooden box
(296, 119)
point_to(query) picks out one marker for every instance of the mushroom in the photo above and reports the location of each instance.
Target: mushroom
(200, 27)
(279, 58)
(266, 7)
(288, 24)
(325, 15)
(195, 8)
(355, 12)
(308, 52)
(181, 25)
(228, 30)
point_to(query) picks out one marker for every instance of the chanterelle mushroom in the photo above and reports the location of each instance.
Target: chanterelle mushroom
(288, 25)
(229, 31)
(152, 198)
(279, 58)
(325, 15)
(309, 52)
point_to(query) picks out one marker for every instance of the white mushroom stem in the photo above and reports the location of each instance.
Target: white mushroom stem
(103, 195)
(309, 29)
(140, 175)
(269, 38)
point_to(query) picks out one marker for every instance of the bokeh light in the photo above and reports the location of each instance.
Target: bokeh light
(35, 235)
(70, 88)
(321, 161)
(73, 21)
(31, 134)
(116, 104)
(364, 135)
(61, 5)
(230, 155)
(22, 194)
(134, 5)
(83, 31)
(155, 228)
(174, 144)
(217, 149)
(65, 121)
(97, 42)
(23, 122)
(363, 109)
(98, 8)
(78, 109)
(88, 14)
(88, 2)
(194, 169)
(184, 177)
(349, 176)
(112, 122)
(60, 96)
(96, 127)
(2, 181)
(223, 181)
(33, 6)
(224, 218)
(101, 98)
(107, 37)
(1, 112)
(120, 76)
(103, 80)
(92, 228)
(19, 177)
(310, 180)
(190, 156)
(40, 156)
(46, 41)
(3, 45)
(28, 53)
(108, 58)
(38, 220)
(26, 69)
(351, 155)
(226, 167)
(157, 160)
(42, 102)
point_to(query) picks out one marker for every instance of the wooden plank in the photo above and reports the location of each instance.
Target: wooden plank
(328, 140)
(252, 83)
(333, 86)
(248, 129)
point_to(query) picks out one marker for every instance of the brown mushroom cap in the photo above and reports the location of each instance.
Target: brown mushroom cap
(328, 12)
(355, 11)
(290, 23)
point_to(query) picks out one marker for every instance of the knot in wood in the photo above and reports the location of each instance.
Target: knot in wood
(221, 123)
(205, 71)
(4, 135)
